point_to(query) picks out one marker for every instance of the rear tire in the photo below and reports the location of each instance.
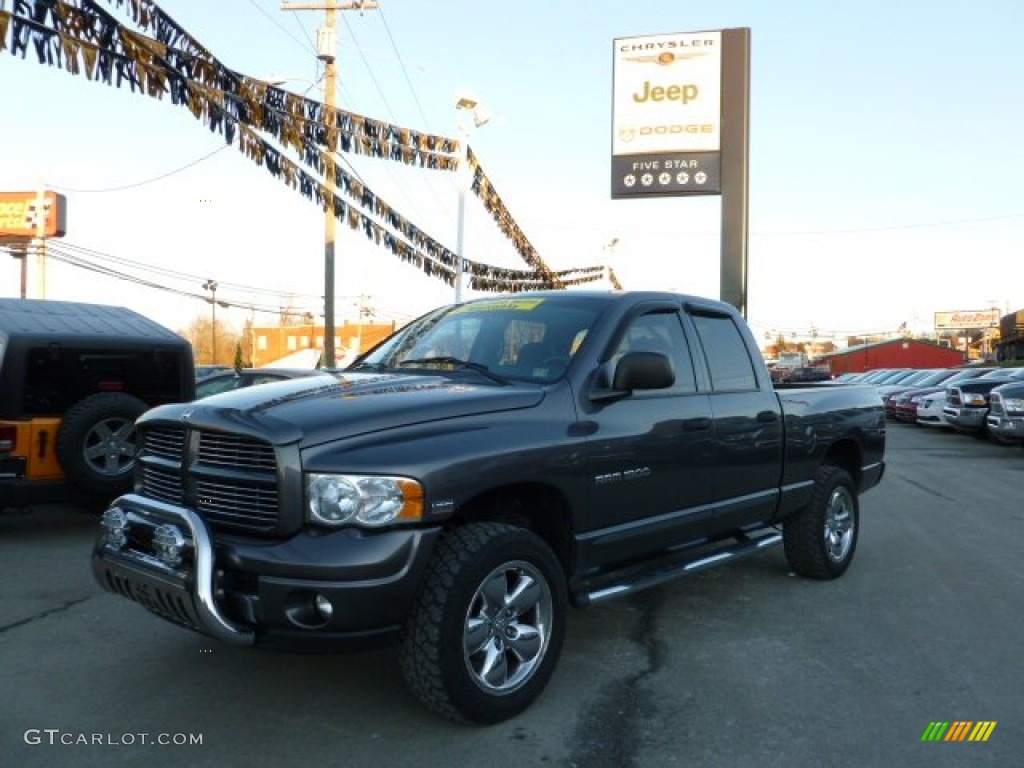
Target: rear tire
(821, 539)
(485, 635)
(96, 442)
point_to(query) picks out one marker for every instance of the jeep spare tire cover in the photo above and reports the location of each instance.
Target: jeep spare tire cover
(96, 442)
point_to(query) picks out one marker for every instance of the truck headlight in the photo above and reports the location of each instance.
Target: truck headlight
(368, 500)
(1013, 404)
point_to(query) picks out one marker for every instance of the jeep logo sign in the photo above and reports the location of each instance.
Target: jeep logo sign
(667, 115)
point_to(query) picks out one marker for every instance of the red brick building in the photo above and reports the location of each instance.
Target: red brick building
(894, 353)
(272, 343)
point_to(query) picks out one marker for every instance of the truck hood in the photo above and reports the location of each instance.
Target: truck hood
(309, 411)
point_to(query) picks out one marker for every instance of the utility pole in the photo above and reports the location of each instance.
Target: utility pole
(211, 286)
(39, 241)
(326, 44)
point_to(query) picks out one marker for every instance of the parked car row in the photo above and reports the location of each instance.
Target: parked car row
(802, 375)
(224, 381)
(981, 401)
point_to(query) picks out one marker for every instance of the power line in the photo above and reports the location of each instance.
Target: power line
(405, 71)
(658, 232)
(167, 273)
(413, 205)
(419, 106)
(147, 181)
(80, 257)
(280, 26)
(922, 225)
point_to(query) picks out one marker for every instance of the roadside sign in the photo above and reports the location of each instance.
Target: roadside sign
(23, 218)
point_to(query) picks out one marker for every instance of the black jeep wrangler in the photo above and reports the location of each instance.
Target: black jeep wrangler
(73, 379)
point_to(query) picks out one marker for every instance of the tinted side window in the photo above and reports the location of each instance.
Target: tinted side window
(727, 356)
(661, 332)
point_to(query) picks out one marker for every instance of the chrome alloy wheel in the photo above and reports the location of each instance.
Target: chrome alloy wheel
(839, 522)
(109, 447)
(508, 626)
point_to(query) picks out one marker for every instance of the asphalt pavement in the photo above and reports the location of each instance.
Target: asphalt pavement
(741, 665)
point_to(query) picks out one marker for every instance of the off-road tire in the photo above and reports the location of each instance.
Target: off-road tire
(465, 609)
(821, 538)
(96, 442)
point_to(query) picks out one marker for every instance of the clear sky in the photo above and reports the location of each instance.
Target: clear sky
(885, 162)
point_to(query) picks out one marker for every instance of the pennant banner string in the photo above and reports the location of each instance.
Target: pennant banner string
(208, 105)
(151, 18)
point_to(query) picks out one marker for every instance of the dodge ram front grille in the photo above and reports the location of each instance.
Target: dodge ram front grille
(237, 503)
(166, 443)
(162, 485)
(231, 480)
(236, 452)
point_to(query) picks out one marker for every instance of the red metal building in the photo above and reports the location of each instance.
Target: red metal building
(894, 353)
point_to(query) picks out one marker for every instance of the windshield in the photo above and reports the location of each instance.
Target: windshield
(937, 377)
(529, 338)
(1002, 373)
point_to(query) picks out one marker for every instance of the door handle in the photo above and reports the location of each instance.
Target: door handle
(766, 417)
(696, 424)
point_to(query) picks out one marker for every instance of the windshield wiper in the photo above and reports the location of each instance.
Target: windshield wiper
(367, 366)
(455, 362)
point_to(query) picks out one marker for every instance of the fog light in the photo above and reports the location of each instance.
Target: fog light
(114, 524)
(323, 607)
(168, 543)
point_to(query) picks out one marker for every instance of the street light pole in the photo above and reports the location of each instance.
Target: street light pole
(469, 103)
(326, 53)
(459, 246)
(211, 286)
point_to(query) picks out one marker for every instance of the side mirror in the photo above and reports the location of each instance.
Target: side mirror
(636, 370)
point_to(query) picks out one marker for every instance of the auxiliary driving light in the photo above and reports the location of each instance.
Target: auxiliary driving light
(114, 524)
(168, 543)
(323, 607)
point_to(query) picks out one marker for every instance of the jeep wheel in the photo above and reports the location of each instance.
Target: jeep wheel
(487, 629)
(821, 539)
(96, 442)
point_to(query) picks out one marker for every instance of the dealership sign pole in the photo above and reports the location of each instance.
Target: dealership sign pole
(27, 219)
(680, 127)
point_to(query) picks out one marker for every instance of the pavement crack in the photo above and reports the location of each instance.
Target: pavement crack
(67, 604)
(923, 487)
(610, 731)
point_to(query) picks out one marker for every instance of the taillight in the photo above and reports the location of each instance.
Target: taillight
(8, 437)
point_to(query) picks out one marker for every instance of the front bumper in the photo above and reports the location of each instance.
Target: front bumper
(932, 416)
(965, 418)
(318, 590)
(1007, 429)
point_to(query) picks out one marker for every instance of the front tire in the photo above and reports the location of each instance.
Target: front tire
(821, 538)
(488, 627)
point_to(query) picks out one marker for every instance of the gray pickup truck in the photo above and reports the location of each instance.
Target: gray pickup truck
(486, 467)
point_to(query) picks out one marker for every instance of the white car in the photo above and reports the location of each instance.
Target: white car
(929, 410)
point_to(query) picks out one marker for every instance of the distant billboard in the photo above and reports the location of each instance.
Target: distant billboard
(667, 115)
(966, 319)
(21, 219)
